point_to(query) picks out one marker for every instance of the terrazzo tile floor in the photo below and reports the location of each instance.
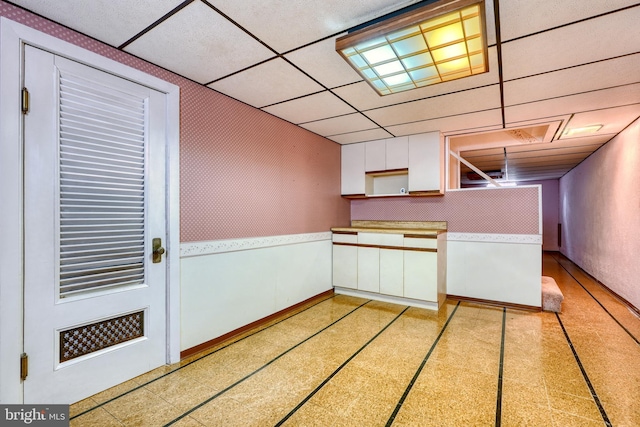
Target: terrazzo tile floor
(347, 361)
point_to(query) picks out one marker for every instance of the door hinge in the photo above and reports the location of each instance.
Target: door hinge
(24, 366)
(25, 100)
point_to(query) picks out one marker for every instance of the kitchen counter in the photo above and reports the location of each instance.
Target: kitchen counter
(418, 228)
(401, 262)
(412, 231)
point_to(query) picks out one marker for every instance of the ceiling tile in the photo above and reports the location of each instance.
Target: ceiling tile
(309, 108)
(614, 120)
(268, 83)
(322, 62)
(576, 44)
(601, 99)
(493, 153)
(112, 21)
(340, 125)
(572, 145)
(437, 107)
(599, 75)
(364, 97)
(550, 152)
(524, 159)
(199, 44)
(483, 120)
(365, 135)
(490, 22)
(519, 18)
(286, 25)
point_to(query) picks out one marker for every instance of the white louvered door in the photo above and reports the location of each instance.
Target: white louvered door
(94, 302)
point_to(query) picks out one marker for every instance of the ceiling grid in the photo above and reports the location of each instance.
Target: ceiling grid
(564, 64)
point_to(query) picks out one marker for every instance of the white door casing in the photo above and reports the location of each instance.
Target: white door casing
(13, 37)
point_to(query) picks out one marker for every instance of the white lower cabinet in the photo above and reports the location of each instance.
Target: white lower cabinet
(392, 265)
(421, 275)
(369, 269)
(392, 272)
(345, 261)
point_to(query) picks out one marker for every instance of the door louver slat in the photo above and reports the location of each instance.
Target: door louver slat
(102, 184)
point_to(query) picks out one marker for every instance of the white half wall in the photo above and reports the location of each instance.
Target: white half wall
(227, 284)
(496, 267)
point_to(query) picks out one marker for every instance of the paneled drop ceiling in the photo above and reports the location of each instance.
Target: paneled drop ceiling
(553, 65)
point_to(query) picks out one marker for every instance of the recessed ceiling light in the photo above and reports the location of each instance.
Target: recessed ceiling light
(582, 131)
(438, 42)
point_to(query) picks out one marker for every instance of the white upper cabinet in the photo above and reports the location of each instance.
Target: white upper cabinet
(352, 169)
(384, 163)
(375, 155)
(425, 154)
(397, 155)
(387, 154)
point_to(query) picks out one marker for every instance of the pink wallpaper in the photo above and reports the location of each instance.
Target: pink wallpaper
(500, 211)
(550, 212)
(599, 212)
(243, 172)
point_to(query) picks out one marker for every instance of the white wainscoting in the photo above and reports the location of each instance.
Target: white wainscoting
(227, 284)
(497, 267)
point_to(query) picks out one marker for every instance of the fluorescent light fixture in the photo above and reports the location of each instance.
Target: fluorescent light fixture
(441, 41)
(582, 131)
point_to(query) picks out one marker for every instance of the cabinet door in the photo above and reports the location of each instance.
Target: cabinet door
(345, 266)
(397, 153)
(424, 162)
(421, 275)
(369, 269)
(352, 169)
(375, 152)
(391, 272)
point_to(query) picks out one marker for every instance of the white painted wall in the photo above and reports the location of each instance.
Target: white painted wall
(229, 284)
(600, 214)
(504, 268)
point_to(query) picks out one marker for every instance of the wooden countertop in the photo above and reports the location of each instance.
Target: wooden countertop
(419, 228)
(412, 231)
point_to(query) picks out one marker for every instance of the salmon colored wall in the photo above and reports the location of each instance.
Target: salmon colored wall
(600, 214)
(488, 210)
(550, 212)
(244, 173)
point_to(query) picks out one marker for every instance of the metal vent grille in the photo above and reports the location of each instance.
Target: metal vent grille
(90, 338)
(102, 186)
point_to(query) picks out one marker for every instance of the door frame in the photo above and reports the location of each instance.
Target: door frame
(13, 36)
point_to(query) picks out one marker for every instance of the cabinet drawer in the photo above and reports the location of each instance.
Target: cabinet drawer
(345, 238)
(421, 242)
(381, 239)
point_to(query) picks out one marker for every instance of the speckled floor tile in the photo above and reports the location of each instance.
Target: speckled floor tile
(96, 418)
(276, 367)
(142, 407)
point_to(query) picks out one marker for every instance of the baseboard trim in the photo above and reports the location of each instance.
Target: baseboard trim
(613, 293)
(253, 325)
(495, 303)
(630, 306)
(429, 305)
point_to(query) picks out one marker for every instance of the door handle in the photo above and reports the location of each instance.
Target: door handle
(158, 250)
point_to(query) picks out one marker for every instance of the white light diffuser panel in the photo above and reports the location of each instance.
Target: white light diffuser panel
(429, 45)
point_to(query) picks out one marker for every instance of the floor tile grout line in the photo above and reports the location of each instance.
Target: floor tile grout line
(592, 390)
(598, 301)
(197, 360)
(501, 370)
(419, 370)
(334, 373)
(221, 392)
